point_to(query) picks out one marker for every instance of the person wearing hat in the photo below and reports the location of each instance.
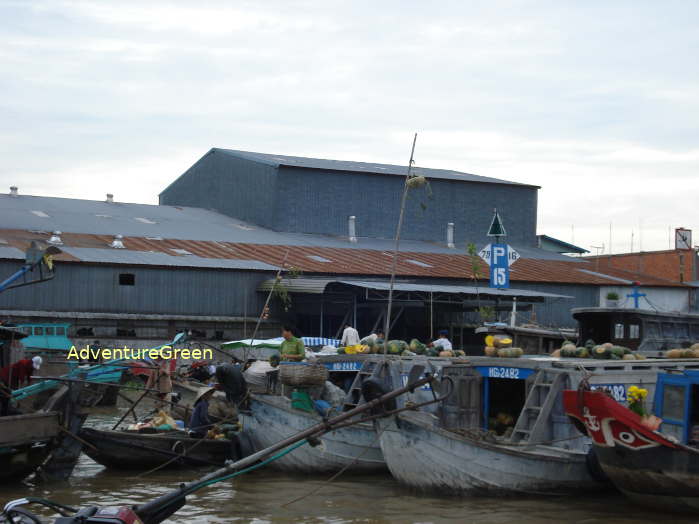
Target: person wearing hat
(442, 343)
(20, 373)
(199, 422)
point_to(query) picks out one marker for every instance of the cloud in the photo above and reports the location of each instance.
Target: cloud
(594, 101)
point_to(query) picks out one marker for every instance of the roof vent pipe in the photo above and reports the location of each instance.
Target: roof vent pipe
(450, 235)
(352, 225)
(55, 239)
(13, 191)
(110, 198)
(117, 243)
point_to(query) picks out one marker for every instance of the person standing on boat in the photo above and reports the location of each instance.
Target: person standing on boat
(20, 373)
(442, 343)
(350, 336)
(292, 348)
(159, 379)
(199, 422)
(230, 380)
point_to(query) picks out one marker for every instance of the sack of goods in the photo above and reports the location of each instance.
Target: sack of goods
(256, 375)
(302, 374)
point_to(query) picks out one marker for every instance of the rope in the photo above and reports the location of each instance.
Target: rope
(248, 469)
(340, 472)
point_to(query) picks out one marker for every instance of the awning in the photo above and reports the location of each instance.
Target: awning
(319, 286)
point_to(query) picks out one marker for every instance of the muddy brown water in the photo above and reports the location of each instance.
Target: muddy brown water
(260, 497)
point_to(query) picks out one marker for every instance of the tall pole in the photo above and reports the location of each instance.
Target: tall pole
(394, 262)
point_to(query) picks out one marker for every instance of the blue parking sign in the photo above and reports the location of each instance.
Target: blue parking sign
(499, 266)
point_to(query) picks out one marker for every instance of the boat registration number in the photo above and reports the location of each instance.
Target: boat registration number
(618, 391)
(352, 365)
(497, 372)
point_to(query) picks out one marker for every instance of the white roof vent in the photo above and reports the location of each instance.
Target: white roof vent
(352, 228)
(110, 198)
(40, 213)
(145, 220)
(13, 191)
(117, 242)
(318, 258)
(180, 251)
(450, 235)
(55, 239)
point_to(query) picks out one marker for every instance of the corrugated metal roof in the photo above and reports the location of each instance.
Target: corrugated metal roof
(318, 286)
(184, 223)
(346, 261)
(362, 167)
(150, 258)
(462, 290)
(12, 253)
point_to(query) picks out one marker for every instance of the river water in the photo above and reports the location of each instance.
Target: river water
(260, 497)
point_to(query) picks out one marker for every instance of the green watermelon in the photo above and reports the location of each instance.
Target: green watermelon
(431, 352)
(417, 347)
(582, 352)
(601, 352)
(590, 344)
(395, 347)
(617, 351)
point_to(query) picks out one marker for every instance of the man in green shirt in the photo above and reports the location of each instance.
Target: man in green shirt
(292, 349)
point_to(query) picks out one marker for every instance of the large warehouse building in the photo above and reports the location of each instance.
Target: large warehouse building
(204, 259)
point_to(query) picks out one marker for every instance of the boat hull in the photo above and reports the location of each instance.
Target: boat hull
(272, 419)
(644, 465)
(428, 458)
(25, 442)
(130, 450)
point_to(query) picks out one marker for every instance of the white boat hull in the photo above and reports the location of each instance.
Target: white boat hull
(423, 456)
(272, 419)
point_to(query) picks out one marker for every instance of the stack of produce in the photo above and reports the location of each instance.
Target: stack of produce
(691, 352)
(606, 351)
(501, 346)
(397, 347)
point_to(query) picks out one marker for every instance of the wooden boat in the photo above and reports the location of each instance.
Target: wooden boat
(649, 332)
(271, 419)
(653, 468)
(25, 442)
(188, 390)
(463, 448)
(134, 450)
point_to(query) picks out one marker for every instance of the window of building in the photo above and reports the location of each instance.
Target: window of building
(618, 331)
(218, 335)
(634, 331)
(682, 330)
(126, 332)
(61, 331)
(695, 331)
(50, 331)
(127, 279)
(39, 330)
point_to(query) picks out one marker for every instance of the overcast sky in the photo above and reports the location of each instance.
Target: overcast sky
(597, 102)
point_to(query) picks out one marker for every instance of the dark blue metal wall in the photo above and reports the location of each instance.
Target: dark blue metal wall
(303, 200)
(315, 201)
(233, 186)
(95, 288)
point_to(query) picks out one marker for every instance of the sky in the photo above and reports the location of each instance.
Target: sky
(596, 101)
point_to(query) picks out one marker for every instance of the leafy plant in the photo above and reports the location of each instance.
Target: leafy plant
(487, 313)
(281, 292)
(612, 295)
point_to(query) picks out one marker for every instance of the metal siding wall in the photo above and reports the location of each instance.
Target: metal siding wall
(556, 312)
(233, 186)
(85, 288)
(315, 201)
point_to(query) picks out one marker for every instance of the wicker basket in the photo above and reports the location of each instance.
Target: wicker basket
(302, 374)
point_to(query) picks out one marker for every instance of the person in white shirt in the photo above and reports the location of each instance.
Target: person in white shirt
(350, 336)
(442, 342)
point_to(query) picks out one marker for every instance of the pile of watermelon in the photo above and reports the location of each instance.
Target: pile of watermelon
(606, 351)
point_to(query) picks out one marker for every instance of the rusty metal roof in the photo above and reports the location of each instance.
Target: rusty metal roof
(340, 261)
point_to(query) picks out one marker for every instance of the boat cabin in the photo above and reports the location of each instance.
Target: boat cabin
(46, 337)
(676, 401)
(649, 332)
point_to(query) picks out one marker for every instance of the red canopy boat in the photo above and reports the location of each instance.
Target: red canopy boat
(649, 467)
